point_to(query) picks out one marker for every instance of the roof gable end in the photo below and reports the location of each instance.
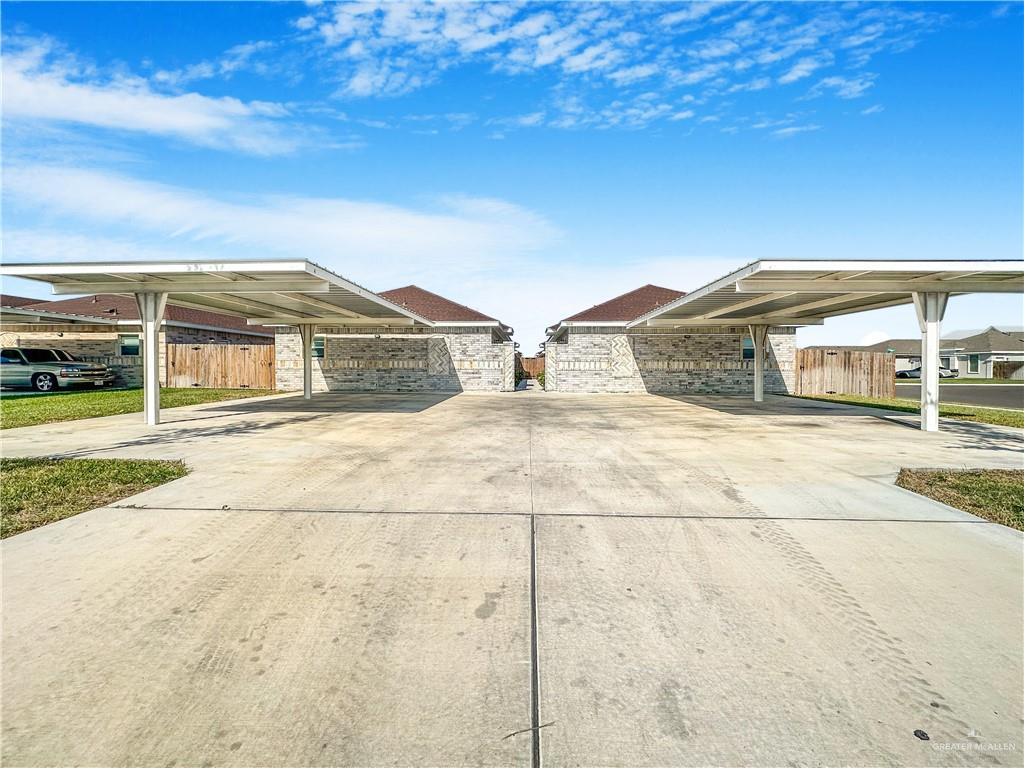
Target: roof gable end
(433, 306)
(629, 306)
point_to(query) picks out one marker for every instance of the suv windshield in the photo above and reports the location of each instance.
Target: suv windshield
(40, 355)
(61, 354)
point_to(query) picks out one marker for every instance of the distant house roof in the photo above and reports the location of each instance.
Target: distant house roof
(112, 307)
(628, 306)
(990, 340)
(896, 346)
(434, 307)
(6, 300)
(1014, 330)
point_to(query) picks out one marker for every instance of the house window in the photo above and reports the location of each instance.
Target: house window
(973, 363)
(944, 362)
(319, 345)
(747, 348)
(129, 344)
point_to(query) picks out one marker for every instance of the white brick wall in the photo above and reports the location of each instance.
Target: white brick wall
(669, 361)
(400, 360)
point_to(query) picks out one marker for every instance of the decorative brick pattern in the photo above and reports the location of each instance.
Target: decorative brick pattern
(665, 361)
(442, 359)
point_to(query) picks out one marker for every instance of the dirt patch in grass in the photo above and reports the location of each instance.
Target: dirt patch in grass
(994, 494)
(26, 410)
(35, 492)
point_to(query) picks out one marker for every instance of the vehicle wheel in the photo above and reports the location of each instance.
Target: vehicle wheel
(44, 382)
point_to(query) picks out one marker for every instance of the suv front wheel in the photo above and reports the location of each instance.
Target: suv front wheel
(44, 382)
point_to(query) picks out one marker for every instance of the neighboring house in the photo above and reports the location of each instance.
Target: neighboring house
(466, 351)
(594, 351)
(972, 354)
(105, 328)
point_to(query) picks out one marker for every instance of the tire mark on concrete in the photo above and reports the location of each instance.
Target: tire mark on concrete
(908, 682)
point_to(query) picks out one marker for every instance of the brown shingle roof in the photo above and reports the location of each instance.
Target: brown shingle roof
(125, 308)
(433, 307)
(6, 300)
(989, 340)
(628, 306)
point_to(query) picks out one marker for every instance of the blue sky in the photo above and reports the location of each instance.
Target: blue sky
(527, 159)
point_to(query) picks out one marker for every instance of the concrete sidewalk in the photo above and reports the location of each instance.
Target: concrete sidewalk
(353, 581)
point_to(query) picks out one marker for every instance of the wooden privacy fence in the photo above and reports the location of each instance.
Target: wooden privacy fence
(1008, 369)
(533, 366)
(845, 372)
(227, 366)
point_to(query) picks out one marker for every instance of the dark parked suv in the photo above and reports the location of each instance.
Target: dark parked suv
(47, 369)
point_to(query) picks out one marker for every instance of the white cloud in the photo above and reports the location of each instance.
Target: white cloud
(804, 68)
(40, 83)
(633, 74)
(866, 34)
(235, 59)
(693, 12)
(873, 110)
(458, 232)
(599, 51)
(844, 87)
(873, 337)
(714, 49)
(793, 130)
(686, 114)
(758, 84)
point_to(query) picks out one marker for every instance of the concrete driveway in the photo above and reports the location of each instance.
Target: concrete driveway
(382, 580)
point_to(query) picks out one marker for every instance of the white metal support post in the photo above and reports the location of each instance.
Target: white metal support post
(306, 333)
(759, 334)
(930, 306)
(151, 315)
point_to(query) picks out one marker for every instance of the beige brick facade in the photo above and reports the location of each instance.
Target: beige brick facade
(439, 359)
(665, 361)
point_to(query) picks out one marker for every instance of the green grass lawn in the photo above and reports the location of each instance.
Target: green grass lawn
(965, 381)
(999, 416)
(35, 492)
(25, 410)
(994, 494)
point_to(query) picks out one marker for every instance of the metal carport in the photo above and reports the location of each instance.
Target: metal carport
(295, 293)
(796, 292)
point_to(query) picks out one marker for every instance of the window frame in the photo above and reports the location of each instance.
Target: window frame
(744, 349)
(319, 351)
(138, 344)
(974, 363)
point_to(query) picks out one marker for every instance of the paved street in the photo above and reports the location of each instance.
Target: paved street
(379, 580)
(989, 395)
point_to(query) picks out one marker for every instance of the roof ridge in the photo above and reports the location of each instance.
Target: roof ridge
(619, 304)
(481, 316)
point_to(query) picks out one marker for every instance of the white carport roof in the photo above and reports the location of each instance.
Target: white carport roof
(264, 292)
(797, 292)
(26, 315)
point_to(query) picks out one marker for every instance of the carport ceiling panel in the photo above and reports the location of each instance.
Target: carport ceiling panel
(291, 290)
(826, 289)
